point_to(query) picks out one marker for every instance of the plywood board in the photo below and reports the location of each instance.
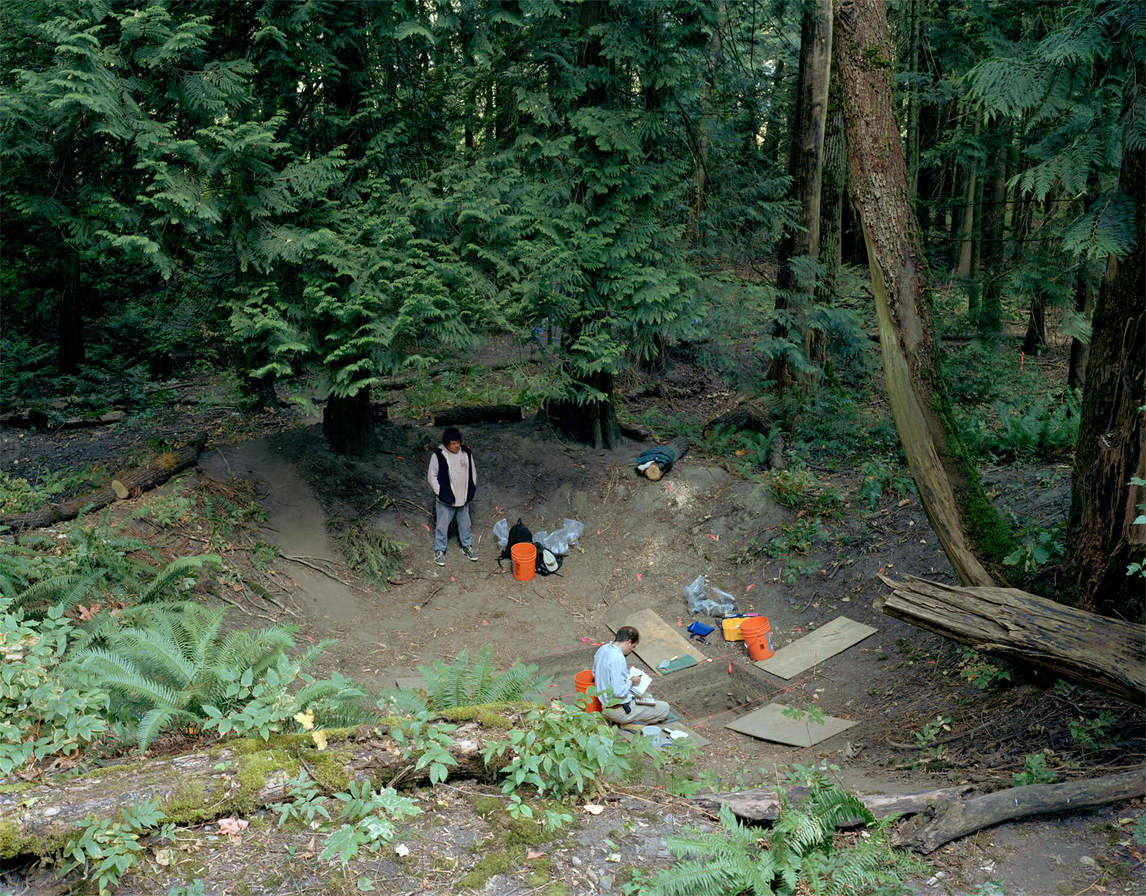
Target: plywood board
(659, 641)
(828, 640)
(770, 723)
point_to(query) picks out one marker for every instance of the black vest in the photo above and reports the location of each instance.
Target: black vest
(445, 490)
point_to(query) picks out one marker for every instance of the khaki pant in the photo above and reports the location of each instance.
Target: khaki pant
(640, 715)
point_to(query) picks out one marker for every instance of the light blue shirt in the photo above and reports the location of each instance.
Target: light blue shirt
(611, 672)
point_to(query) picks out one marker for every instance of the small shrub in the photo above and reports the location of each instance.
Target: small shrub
(1093, 733)
(982, 672)
(1037, 546)
(880, 478)
(368, 821)
(563, 750)
(43, 710)
(1035, 770)
(106, 850)
(797, 537)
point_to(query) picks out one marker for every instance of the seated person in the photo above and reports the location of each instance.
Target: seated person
(615, 687)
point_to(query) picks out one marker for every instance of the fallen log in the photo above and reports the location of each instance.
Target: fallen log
(763, 804)
(942, 824)
(486, 413)
(131, 482)
(634, 431)
(38, 419)
(232, 778)
(664, 457)
(746, 416)
(1083, 648)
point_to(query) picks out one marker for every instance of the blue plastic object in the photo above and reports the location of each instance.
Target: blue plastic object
(700, 630)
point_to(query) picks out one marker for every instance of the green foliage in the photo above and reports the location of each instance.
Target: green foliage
(982, 672)
(43, 711)
(799, 854)
(881, 478)
(90, 563)
(106, 850)
(305, 804)
(431, 740)
(460, 684)
(801, 488)
(1094, 733)
(371, 553)
(164, 664)
(797, 537)
(562, 750)
(18, 495)
(368, 821)
(1037, 546)
(259, 704)
(1035, 770)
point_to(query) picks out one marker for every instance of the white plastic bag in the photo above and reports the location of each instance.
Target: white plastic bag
(501, 530)
(699, 602)
(560, 541)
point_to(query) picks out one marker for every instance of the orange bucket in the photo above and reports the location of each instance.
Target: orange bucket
(757, 633)
(584, 681)
(524, 555)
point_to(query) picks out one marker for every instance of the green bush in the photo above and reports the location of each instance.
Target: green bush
(106, 850)
(44, 711)
(563, 750)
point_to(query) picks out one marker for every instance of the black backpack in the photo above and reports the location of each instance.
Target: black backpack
(518, 534)
(547, 562)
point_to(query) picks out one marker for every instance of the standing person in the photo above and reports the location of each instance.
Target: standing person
(453, 479)
(615, 687)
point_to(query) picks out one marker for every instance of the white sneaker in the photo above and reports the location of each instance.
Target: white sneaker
(440, 558)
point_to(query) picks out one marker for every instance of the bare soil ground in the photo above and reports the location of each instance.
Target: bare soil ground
(919, 723)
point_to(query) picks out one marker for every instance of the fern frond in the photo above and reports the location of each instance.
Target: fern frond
(175, 570)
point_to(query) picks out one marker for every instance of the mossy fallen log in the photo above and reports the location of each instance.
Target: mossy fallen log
(130, 482)
(232, 778)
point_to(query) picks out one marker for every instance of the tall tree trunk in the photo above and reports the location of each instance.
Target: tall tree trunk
(835, 177)
(699, 203)
(968, 527)
(967, 229)
(994, 232)
(914, 44)
(1079, 350)
(348, 422)
(805, 166)
(1102, 538)
(71, 352)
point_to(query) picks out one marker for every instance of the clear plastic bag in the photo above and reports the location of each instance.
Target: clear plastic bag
(560, 541)
(699, 602)
(501, 531)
